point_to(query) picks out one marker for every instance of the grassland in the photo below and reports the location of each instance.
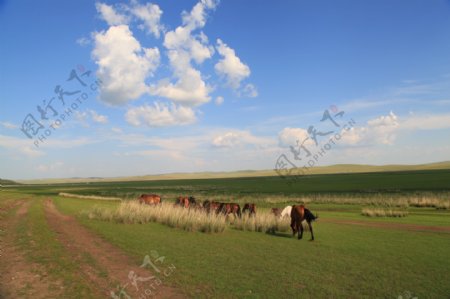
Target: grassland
(354, 256)
(333, 169)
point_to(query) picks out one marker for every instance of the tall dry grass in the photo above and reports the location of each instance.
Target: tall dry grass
(380, 212)
(262, 222)
(165, 213)
(63, 194)
(188, 219)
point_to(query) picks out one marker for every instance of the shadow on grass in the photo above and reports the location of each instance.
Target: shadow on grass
(280, 235)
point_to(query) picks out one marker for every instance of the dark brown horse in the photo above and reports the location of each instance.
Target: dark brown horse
(251, 208)
(298, 214)
(229, 208)
(211, 206)
(149, 199)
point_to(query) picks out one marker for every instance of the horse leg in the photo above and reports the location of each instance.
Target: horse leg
(293, 227)
(300, 230)
(311, 229)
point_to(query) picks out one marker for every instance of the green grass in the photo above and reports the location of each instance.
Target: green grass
(394, 183)
(332, 169)
(344, 261)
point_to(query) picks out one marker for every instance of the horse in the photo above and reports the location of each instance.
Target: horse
(229, 208)
(286, 212)
(150, 199)
(185, 201)
(210, 206)
(251, 208)
(276, 212)
(298, 214)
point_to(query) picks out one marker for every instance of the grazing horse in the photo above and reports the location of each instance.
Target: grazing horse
(298, 214)
(251, 208)
(149, 199)
(211, 206)
(229, 208)
(286, 212)
(276, 212)
(185, 201)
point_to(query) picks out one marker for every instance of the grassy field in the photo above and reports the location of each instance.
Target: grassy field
(354, 256)
(332, 169)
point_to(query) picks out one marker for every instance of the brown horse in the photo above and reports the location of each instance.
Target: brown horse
(149, 199)
(185, 201)
(276, 212)
(298, 214)
(211, 206)
(229, 208)
(251, 208)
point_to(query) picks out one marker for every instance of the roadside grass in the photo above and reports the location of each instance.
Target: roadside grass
(40, 245)
(343, 262)
(383, 212)
(165, 213)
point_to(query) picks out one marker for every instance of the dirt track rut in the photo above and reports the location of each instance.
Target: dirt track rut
(112, 271)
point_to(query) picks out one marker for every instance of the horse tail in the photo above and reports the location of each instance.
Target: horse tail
(239, 211)
(309, 216)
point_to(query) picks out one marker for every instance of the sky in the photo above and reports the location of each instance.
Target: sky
(124, 88)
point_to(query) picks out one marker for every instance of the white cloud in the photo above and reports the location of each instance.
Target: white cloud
(249, 90)
(219, 100)
(123, 65)
(98, 118)
(183, 48)
(110, 15)
(50, 167)
(196, 18)
(293, 137)
(150, 14)
(160, 115)
(426, 122)
(230, 139)
(8, 125)
(380, 130)
(230, 66)
(237, 138)
(19, 145)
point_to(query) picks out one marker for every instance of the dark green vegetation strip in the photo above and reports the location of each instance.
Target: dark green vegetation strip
(362, 183)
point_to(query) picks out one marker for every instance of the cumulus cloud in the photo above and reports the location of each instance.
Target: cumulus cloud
(150, 15)
(123, 64)
(196, 18)
(110, 15)
(189, 89)
(160, 115)
(184, 47)
(293, 137)
(380, 130)
(230, 66)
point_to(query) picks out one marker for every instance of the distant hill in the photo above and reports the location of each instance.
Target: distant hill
(338, 168)
(4, 182)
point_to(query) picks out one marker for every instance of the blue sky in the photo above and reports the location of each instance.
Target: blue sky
(193, 86)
